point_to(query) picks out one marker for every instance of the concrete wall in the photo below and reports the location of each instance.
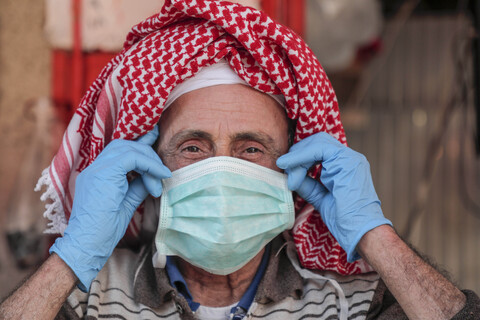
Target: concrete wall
(24, 77)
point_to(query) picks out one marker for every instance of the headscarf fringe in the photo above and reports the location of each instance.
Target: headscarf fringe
(53, 207)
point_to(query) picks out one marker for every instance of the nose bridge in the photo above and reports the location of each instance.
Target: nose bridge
(222, 148)
(222, 140)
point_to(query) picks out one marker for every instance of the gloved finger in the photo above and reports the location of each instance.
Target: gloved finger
(312, 191)
(116, 166)
(145, 165)
(136, 194)
(135, 159)
(287, 162)
(300, 154)
(152, 184)
(122, 147)
(314, 149)
(150, 137)
(295, 177)
(283, 162)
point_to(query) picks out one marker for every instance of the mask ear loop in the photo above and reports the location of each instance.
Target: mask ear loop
(159, 260)
(292, 255)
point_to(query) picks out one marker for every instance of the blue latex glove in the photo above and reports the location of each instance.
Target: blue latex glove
(104, 203)
(347, 200)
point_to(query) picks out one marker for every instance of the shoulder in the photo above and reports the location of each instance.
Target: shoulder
(114, 283)
(125, 288)
(290, 291)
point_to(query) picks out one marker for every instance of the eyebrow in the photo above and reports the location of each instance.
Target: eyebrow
(188, 134)
(261, 138)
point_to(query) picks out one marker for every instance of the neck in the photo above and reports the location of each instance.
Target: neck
(213, 290)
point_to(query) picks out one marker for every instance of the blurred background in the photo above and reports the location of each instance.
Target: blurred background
(406, 73)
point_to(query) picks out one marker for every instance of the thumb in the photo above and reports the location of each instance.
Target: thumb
(137, 192)
(295, 177)
(313, 192)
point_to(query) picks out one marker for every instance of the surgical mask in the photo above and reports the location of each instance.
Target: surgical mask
(218, 213)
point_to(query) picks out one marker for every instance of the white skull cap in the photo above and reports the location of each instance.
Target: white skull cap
(215, 74)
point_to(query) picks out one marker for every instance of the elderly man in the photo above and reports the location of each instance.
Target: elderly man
(223, 82)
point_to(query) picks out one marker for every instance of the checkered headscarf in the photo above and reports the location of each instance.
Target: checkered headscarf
(128, 97)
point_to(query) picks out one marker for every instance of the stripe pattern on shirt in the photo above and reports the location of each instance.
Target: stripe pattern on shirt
(320, 299)
(112, 296)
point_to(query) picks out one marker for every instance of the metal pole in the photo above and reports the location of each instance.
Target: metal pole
(296, 16)
(77, 63)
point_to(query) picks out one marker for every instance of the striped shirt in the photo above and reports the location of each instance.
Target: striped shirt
(129, 287)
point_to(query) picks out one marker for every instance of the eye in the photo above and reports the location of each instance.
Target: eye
(191, 149)
(194, 149)
(252, 150)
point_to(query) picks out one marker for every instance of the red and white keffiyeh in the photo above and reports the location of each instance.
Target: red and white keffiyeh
(127, 100)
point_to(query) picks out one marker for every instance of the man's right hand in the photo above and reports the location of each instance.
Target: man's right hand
(104, 203)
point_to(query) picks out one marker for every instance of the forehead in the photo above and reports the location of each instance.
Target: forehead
(225, 109)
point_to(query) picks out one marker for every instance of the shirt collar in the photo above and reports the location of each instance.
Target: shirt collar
(280, 279)
(178, 282)
(152, 286)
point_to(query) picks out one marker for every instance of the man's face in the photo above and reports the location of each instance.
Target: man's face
(224, 120)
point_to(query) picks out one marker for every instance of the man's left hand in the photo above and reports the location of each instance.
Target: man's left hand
(346, 198)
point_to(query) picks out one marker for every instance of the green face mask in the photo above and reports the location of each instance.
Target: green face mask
(218, 213)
